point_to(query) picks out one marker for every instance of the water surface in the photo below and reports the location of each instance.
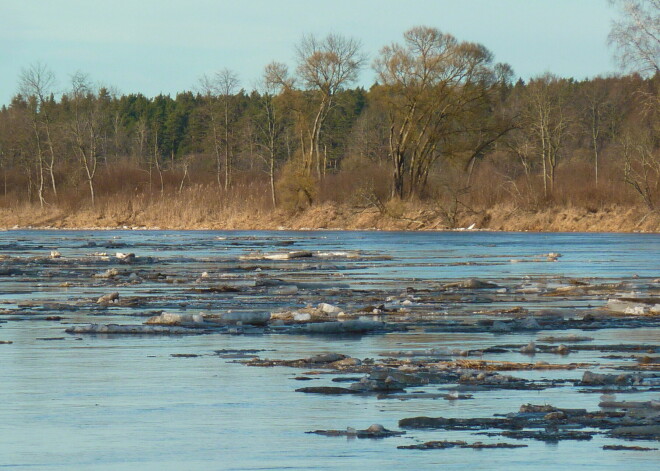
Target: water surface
(124, 403)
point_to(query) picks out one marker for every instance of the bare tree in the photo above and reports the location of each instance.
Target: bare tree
(637, 35)
(220, 90)
(85, 127)
(36, 84)
(270, 123)
(429, 83)
(325, 66)
(519, 144)
(208, 90)
(547, 116)
(641, 163)
(596, 103)
(599, 116)
(227, 83)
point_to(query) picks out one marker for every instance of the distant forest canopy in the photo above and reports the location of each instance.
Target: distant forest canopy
(443, 122)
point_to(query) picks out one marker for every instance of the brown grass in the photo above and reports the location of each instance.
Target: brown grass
(355, 198)
(200, 207)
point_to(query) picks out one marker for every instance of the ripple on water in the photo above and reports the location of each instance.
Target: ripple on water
(122, 403)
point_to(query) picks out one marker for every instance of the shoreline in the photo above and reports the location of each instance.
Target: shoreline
(164, 229)
(333, 217)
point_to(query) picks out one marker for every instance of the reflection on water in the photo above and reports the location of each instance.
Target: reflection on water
(124, 403)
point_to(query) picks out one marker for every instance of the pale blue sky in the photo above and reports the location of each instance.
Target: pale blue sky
(164, 46)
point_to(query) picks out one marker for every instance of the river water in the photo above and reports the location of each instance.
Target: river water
(70, 402)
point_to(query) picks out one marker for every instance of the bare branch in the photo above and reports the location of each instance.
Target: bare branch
(637, 35)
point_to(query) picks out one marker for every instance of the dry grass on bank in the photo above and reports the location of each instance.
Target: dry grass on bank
(498, 195)
(203, 207)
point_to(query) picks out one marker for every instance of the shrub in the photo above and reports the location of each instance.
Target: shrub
(295, 188)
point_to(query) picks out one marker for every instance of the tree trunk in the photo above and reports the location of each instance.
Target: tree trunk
(51, 163)
(227, 147)
(594, 139)
(272, 178)
(40, 166)
(216, 149)
(91, 190)
(398, 176)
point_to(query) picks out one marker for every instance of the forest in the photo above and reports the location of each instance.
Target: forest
(443, 126)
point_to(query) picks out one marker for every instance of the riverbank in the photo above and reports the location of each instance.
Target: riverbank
(183, 214)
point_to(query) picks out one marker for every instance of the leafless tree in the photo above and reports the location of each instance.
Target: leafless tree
(596, 103)
(548, 118)
(428, 84)
(219, 90)
(227, 83)
(85, 127)
(36, 84)
(637, 35)
(270, 124)
(208, 89)
(325, 66)
(599, 116)
(641, 164)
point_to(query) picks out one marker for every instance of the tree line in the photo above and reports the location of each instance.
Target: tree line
(442, 122)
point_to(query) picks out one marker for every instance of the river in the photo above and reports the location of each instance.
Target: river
(121, 402)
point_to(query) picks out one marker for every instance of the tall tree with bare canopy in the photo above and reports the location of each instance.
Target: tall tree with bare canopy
(429, 84)
(36, 84)
(325, 66)
(637, 35)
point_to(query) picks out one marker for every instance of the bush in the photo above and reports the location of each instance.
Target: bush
(296, 190)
